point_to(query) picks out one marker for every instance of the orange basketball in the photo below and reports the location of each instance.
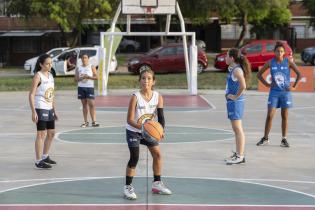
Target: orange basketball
(153, 129)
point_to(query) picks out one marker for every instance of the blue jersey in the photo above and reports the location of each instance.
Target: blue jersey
(280, 74)
(232, 87)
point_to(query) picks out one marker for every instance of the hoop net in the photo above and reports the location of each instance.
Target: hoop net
(148, 11)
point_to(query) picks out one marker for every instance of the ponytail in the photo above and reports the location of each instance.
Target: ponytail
(247, 70)
(243, 62)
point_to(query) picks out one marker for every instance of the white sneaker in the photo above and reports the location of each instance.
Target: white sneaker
(236, 160)
(129, 192)
(231, 157)
(159, 188)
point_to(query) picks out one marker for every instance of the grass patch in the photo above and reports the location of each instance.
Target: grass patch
(207, 80)
(121, 60)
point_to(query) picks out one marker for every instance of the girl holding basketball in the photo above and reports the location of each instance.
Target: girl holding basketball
(280, 91)
(144, 105)
(237, 81)
(85, 75)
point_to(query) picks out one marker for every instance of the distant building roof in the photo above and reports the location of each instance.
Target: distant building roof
(297, 9)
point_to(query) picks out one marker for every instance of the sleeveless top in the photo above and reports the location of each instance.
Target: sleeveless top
(144, 109)
(44, 95)
(232, 86)
(280, 74)
(88, 71)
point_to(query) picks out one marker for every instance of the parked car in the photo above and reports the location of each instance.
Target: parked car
(66, 62)
(128, 45)
(258, 52)
(308, 55)
(167, 58)
(29, 64)
(200, 44)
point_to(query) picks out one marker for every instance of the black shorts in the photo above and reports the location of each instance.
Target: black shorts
(86, 93)
(45, 125)
(134, 139)
(46, 119)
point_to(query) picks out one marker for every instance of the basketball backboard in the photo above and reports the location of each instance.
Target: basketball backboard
(130, 7)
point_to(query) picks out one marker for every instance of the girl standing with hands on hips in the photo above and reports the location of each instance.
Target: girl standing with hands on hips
(42, 103)
(237, 80)
(280, 91)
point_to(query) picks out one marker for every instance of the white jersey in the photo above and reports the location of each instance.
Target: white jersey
(88, 71)
(144, 109)
(44, 95)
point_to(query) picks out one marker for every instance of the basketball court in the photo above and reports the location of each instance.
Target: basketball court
(91, 161)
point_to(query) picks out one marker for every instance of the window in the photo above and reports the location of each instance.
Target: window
(3, 7)
(55, 52)
(228, 31)
(311, 32)
(300, 31)
(67, 55)
(180, 50)
(253, 48)
(168, 51)
(270, 47)
(90, 53)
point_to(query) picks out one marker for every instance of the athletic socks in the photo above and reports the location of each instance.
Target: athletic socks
(129, 180)
(44, 156)
(157, 178)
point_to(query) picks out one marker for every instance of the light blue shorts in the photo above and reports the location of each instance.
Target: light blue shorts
(280, 99)
(235, 109)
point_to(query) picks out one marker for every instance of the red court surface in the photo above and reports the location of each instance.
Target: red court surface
(180, 101)
(153, 207)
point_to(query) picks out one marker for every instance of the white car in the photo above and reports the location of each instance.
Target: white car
(29, 64)
(66, 62)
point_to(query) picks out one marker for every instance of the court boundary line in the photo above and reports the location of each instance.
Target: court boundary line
(150, 204)
(200, 178)
(112, 177)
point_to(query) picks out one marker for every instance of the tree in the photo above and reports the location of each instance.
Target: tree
(262, 14)
(67, 14)
(310, 6)
(277, 18)
(197, 13)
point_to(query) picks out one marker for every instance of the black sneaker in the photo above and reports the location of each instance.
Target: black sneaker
(95, 124)
(49, 161)
(284, 143)
(262, 141)
(42, 165)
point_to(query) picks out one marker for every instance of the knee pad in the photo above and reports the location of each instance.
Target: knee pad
(134, 157)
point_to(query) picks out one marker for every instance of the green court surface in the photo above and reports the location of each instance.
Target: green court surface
(185, 191)
(117, 135)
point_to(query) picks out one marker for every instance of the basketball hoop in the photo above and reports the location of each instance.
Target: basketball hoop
(148, 7)
(148, 10)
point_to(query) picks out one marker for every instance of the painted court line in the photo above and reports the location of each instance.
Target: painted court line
(248, 181)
